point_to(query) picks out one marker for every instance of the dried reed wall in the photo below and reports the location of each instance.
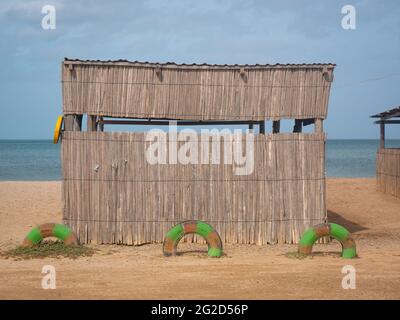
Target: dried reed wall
(143, 90)
(111, 194)
(388, 171)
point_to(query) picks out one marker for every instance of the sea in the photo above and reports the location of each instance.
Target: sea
(33, 160)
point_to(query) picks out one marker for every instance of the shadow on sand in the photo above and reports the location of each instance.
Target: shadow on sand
(349, 225)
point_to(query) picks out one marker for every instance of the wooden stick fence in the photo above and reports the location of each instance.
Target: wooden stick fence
(113, 195)
(388, 171)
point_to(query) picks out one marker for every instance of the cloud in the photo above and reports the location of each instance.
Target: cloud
(226, 31)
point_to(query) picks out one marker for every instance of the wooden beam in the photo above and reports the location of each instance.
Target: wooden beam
(387, 121)
(159, 73)
(298, 125)
(276, 126)
(78, 122)
(262, 127)
(69, 122)
(179, 123)
(382, 135)
(243, 74)
(319, 125)
(307, 122)
(91, 123)
(100, 124)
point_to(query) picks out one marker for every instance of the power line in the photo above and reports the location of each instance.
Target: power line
(368, 80)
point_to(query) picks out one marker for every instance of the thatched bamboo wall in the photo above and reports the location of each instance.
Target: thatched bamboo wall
(196, 92)
(388, 171)
(111, 194)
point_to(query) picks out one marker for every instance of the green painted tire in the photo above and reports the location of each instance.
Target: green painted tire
(57, 230)
(311, 235)
(177, 232)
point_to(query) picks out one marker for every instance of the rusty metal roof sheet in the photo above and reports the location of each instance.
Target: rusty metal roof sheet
(195, 65)
(395, 112)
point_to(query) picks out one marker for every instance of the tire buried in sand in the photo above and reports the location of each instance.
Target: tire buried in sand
(176, 233)
(57, 230)
(310, 236)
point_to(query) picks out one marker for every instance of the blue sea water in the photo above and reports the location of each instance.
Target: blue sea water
(353, 158)
(40, 159)
(29, 160)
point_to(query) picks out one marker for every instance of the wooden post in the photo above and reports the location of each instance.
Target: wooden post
(91, 123)
(318, 125)
(262, 127)
(276, 126)
(69, 122)
(77, 122)
(298, 125)
(382, 137)
(101, 125)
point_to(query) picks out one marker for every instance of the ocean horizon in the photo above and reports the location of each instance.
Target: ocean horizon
(39, 160)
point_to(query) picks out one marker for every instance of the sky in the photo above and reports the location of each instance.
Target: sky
(366, 80)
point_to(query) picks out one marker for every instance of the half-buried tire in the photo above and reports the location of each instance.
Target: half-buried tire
(176, 233)
(57, 230)
(310, 236)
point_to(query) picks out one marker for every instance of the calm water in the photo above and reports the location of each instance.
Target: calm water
(40, 159)
(29, 160)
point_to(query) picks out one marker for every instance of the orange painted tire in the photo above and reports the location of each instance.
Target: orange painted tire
(311, 235)
(57, 230)
(177, 232)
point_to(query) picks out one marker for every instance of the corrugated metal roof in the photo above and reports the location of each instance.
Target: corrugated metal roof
(195, 65)
(395, 112)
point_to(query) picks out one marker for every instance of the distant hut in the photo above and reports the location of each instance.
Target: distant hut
(111, 194)
(388, 159)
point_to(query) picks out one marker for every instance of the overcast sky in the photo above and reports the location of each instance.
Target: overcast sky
(367, 75)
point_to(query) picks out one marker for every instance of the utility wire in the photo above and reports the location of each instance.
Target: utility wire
(368, 80)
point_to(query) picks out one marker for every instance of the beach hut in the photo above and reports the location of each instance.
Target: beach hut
(111, 193)
(388, 159)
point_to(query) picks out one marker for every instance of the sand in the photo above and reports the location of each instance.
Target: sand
(245, 272)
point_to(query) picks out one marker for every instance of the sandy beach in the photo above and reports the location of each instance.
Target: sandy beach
(244, 272)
